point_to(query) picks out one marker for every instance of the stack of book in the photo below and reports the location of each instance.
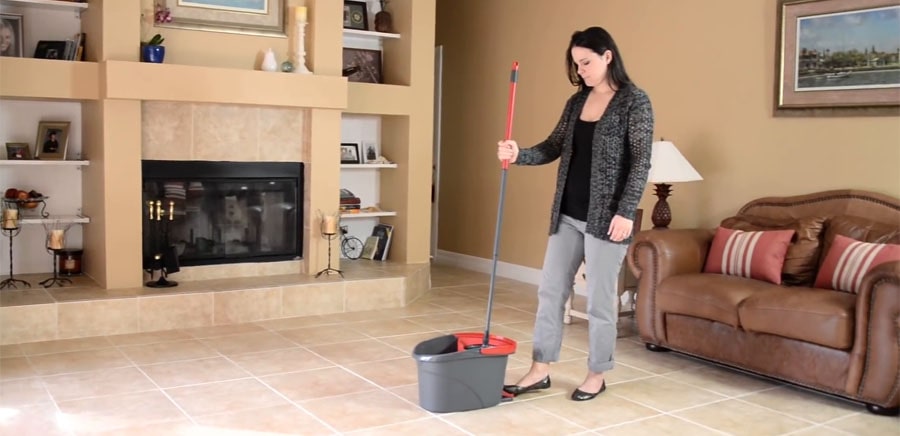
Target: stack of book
(349, 202)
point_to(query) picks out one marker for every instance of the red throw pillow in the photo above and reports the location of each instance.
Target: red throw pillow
(756, 255)
(848, 261)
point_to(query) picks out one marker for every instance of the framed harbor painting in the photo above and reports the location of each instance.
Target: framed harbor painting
(254, 17)
(838, 57)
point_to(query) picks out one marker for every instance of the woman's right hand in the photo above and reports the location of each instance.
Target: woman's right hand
(507, 150)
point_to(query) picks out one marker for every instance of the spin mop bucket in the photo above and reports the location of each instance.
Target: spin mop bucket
(465, 371)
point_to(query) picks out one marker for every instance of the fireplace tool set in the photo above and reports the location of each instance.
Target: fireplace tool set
(162, 255)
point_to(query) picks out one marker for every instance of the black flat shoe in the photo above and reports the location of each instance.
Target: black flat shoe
(518, 390)
(580, 395)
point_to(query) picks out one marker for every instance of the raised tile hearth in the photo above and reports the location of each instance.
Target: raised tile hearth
(85, 309)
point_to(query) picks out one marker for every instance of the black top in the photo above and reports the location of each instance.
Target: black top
(578, 182)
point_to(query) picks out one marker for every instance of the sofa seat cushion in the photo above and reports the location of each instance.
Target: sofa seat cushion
(819, 316)
(708, 296)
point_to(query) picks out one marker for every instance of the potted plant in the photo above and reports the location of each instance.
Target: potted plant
(153, 50)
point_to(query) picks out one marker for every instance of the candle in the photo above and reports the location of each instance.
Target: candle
(57, 239)
(10, 219)
(330, 225)
(300, 14)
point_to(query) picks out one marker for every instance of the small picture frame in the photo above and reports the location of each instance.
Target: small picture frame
(18, 151)
(52, 140)
(350, 153)
(12, 35)
(363, 65)
(51, 50)
(370, 152)
(356, 15)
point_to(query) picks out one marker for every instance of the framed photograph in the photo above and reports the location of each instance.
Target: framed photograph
(17, 151)
(362, 65)
(356, 15)
(837, 57)
(12, 35)
(50, 50)
(253, 17)
(52, 140)
(349, 153)
(370, 152)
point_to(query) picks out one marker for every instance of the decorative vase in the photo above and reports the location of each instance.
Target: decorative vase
(153, 53)
(269, 62)
(384, 22)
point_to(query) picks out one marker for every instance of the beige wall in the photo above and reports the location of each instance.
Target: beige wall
(708, 67)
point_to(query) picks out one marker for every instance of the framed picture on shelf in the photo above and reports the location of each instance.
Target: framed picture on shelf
(362, 65)
(837, 57)
(349, 153)
(51, 50)
(12, 35)
(17, 151)
(356, 15)
(251, 17)
(370, 153)
(52, 140)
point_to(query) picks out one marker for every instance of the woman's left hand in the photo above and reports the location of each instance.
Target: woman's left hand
(620, 228)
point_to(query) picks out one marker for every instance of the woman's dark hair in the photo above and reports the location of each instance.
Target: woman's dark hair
(598, 40)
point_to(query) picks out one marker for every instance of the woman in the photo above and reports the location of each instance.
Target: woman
(602, 142)
(8, 39)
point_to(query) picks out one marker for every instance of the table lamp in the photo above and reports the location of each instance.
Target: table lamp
(667, 165)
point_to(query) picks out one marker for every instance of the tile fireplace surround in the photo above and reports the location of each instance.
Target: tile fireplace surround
(84, 309)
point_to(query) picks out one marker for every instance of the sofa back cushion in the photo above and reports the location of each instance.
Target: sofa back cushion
(802, 257)
(756, 255)
(848, 261)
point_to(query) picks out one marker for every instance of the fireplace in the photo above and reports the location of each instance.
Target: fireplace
(208, 213)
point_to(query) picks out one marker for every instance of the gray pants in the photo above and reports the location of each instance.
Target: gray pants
(603, 260)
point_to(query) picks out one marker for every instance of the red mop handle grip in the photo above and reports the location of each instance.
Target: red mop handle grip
(511, 106)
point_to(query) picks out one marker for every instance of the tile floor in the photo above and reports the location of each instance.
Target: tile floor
(353, 374)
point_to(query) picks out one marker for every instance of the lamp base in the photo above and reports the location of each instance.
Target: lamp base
(662, 214)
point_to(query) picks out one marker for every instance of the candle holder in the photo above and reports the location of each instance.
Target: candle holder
(55, 243)
(298, 47)
(11, 281)
(328, 225)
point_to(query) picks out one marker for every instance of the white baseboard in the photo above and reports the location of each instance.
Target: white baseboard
(504, 269)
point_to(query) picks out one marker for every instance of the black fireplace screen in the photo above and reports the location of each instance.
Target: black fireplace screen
(223, 212)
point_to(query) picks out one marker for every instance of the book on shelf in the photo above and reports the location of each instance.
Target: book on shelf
(370, 247)
(385, 233)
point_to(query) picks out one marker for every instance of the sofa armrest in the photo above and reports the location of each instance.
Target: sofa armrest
(655, 255)
(876, 356)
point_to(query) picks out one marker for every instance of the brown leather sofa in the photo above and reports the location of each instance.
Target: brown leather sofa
(832, 341)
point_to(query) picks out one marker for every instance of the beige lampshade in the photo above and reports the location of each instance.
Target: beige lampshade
(667, 165)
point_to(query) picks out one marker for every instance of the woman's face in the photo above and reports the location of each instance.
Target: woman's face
(592, 67)
(6, 38)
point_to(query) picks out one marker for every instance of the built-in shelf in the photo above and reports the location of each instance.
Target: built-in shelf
(370, 34)
(367, 166)
(45, 162)
(198, 84)
(49, 79)
(52, 219)
(379, 99)
(367, 214)
(45, 3)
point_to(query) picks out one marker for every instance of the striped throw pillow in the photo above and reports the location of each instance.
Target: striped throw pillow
(756, 255)
(848, 261)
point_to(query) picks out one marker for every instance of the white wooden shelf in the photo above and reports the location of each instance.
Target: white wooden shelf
(367, 166)
(77, 163)
(64, 219)
(370, 34)
(45, 3)
(367, 214)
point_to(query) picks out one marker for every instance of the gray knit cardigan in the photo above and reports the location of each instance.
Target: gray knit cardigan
(620, 161)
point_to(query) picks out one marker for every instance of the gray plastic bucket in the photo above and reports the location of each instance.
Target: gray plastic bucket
(454, 380)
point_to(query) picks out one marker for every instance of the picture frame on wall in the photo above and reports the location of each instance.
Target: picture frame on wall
(356, 15)
(837, 57)
(362, 65)
(349, 153)
(250, 17)
(18, 151)
(12, 35)
(52, 140)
